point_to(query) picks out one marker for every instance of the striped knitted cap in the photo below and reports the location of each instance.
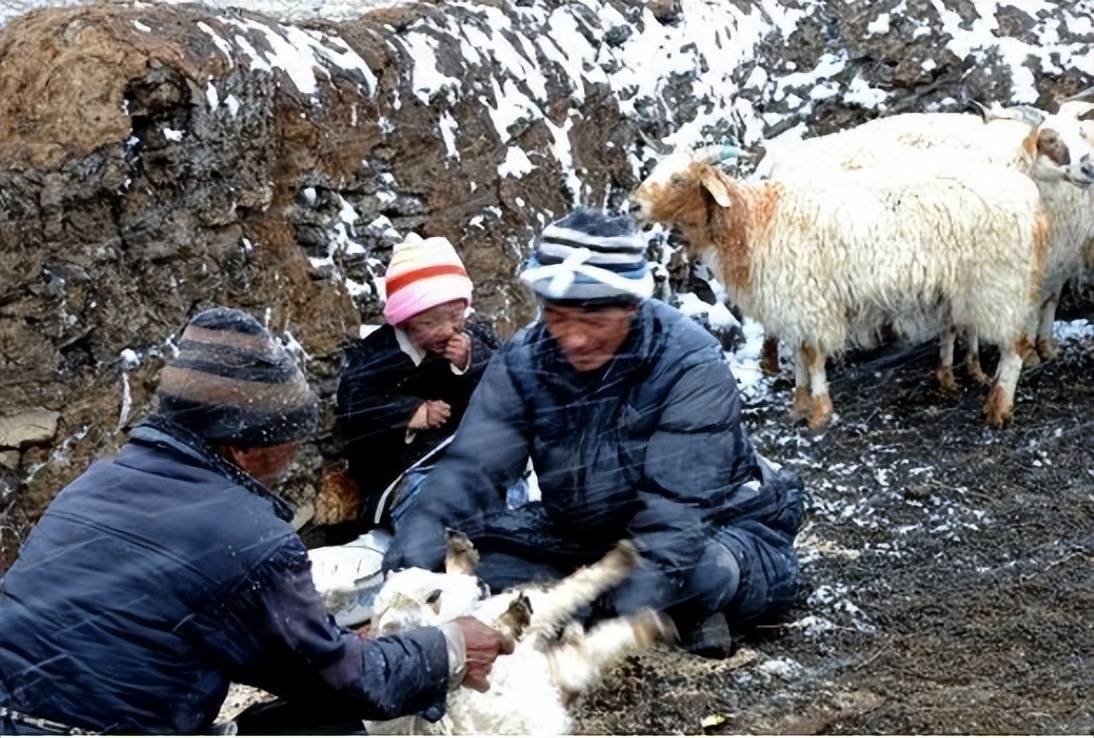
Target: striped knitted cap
(590, 257)
(423, 274)
(232, 383)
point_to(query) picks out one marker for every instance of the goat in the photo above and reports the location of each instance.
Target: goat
(1054, 149)
(818, 262)
(532, 688)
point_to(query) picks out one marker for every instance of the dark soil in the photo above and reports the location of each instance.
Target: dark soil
(948, 571)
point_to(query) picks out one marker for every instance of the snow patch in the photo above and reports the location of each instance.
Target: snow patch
(1073, 331)
(448, 128)
(516, 163)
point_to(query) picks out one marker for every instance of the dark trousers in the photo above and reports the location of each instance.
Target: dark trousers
(747, 569)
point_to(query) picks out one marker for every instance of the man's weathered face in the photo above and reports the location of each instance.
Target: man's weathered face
(266, 464)
(588, 338)
(433, 329)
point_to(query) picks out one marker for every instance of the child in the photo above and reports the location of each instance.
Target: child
(405, 387)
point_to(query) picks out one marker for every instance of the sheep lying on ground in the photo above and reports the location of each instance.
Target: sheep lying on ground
(819, 262)
(1056, 150)
(531, 688)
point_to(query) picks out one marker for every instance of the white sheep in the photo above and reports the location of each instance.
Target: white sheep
(1054, 149)
(821, 262)
(531, 689)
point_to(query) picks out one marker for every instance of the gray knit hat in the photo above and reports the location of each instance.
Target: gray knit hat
(233, 383)
(590, 257)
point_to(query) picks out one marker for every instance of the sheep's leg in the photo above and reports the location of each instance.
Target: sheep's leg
(769, 361)
(1047, 348)
(972, 358)
(579, 663)
(516, 618)
(558, 603)
(944, 373)
(820, 404)
(1000, 403)
(799, 409)
(460, 556)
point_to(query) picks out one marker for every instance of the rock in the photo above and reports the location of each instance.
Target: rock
(35, 426)
(9, 459)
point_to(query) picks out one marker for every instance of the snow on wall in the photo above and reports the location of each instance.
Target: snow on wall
(712, 43)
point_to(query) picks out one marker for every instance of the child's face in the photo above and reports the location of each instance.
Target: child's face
(433, 329)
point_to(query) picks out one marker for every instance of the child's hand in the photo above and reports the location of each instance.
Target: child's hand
(430, 414)
(458, 351)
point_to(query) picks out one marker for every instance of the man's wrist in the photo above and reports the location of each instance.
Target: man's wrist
(457, 653)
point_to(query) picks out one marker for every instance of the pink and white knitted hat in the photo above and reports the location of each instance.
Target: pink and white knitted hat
(423, 274)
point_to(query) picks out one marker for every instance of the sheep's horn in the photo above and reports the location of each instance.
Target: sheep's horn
(981, 109)
(721, 152)
(658, 146)
(1027, 114)
(1081, 95)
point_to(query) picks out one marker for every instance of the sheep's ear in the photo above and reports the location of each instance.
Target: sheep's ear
(714, 184)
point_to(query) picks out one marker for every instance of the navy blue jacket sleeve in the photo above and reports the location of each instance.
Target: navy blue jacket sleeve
(698, 453)
(279, 636)
(489, 454)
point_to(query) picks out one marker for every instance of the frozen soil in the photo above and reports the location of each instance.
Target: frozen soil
(948, 571)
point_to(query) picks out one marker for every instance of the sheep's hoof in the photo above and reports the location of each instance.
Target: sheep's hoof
(820, 413)
(623, 557)
(1047, 349)
(997, 410)
(799, 408)
(946, 379)
(461, 556)
(976, 373)
(1031, 360)
(516, 618)
(652, 627)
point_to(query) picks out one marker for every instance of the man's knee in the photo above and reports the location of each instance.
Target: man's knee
(768, 582)
(715, 579)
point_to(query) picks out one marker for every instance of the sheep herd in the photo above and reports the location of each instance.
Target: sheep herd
(920, 224)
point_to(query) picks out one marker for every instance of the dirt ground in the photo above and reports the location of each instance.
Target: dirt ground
(948, 571)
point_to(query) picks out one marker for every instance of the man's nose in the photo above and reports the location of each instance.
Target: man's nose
(575, 341)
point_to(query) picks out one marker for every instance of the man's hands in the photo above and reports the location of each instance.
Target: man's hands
(430, 414)
(482, 646)
(458, 351)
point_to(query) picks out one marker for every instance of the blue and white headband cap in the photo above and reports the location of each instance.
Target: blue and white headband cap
(590, 256)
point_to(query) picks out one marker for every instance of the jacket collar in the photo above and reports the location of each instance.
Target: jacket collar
(408, 347)
(161, 433)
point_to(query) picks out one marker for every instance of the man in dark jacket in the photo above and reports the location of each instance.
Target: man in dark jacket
(405, 387)
(632, 420)
(159, 576)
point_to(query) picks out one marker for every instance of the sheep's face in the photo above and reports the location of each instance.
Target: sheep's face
(673, 193)
(1064, 145)
(415, 598)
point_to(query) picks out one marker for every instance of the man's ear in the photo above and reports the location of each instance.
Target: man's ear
(712, 182)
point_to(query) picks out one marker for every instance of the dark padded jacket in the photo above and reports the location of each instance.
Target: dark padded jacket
(649, 448)
(160, 575)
